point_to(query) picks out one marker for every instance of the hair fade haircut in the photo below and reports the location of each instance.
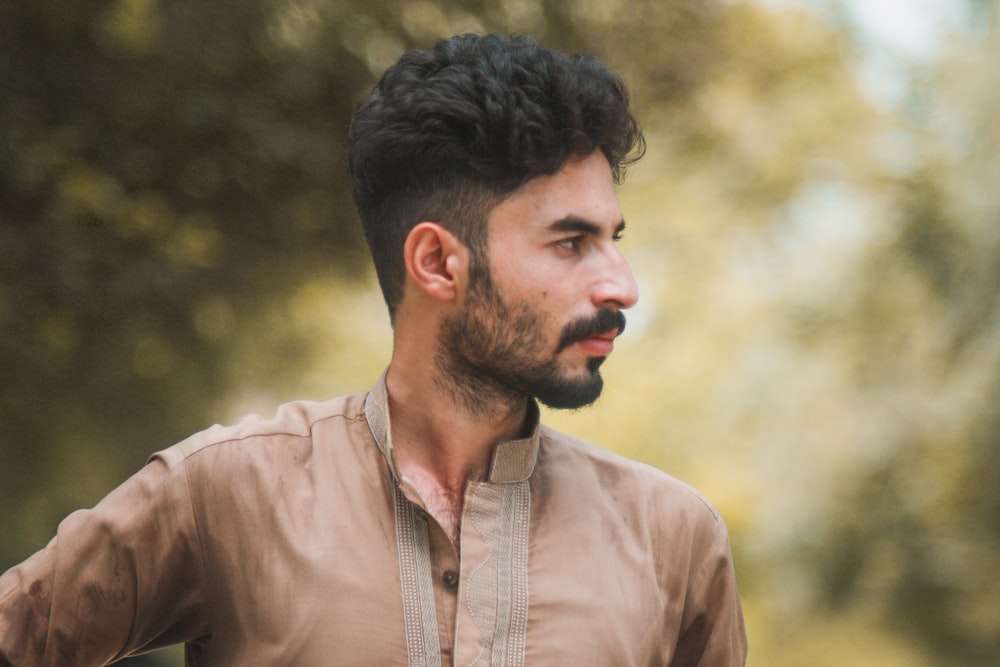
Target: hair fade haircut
(449, 132)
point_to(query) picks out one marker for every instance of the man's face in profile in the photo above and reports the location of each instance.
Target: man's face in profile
(544, 319)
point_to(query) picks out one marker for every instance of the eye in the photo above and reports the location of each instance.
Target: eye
(618, 235)
(571, 244)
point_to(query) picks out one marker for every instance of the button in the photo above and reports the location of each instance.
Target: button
(450, 578)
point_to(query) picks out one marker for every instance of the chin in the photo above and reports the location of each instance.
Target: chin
(594, 364)
(570, 393)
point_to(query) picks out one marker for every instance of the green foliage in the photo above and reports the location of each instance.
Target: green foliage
(923, 546)
(168, 170)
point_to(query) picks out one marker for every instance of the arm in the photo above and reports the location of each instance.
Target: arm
(714, 634)
(123, 577)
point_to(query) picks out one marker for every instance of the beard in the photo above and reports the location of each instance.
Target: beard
(491, 355)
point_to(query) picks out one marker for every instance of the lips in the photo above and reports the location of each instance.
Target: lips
(596, 334)
(607, 337)
(598, 346)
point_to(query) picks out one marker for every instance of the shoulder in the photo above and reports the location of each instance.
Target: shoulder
(251, 471)
(294, 424)
(611, 477)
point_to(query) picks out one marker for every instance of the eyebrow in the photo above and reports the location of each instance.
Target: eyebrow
(573, 223)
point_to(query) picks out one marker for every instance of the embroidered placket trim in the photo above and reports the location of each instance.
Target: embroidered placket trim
(423, 644)
(496, 591)
(497, 594)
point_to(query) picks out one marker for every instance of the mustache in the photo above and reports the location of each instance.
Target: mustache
(606, 320)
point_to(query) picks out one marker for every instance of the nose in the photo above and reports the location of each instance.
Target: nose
(616, 285)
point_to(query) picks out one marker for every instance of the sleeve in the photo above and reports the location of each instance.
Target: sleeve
(121, 578)
(713, 634)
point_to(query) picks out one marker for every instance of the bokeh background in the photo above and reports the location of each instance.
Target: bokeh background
(815, 231)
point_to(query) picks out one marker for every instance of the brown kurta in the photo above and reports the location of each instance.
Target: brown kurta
(293, 542)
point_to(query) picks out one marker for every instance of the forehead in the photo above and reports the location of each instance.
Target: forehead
(583, 188)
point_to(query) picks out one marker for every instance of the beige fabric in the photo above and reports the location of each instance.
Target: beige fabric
(497, 513)
(278, 542)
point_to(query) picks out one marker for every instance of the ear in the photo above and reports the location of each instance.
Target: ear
(436, 261)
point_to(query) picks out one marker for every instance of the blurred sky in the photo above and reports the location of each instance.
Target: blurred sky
(895, 38)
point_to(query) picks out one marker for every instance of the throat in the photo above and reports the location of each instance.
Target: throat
(446, 509)
(442, 495)
(481, 396)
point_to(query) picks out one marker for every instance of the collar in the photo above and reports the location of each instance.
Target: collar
(513, 460)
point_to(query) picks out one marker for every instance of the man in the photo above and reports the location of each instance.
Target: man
(433, 520)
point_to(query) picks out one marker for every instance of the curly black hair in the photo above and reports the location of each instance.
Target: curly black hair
(449, 132)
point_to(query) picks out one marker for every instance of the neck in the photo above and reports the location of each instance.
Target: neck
(438, 438)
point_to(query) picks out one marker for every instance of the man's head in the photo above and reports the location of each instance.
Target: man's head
(450, 132)
(544, 317)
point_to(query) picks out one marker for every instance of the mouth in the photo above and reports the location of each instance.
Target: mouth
(608, 336)
(595, 335)
(599, 344)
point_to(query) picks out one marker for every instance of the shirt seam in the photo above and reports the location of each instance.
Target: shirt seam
(263, 434)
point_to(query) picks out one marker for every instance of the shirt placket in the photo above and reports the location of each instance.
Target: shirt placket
(419, 609)
(493, 591)
(429, 569)
(472, 610)
(445, 571)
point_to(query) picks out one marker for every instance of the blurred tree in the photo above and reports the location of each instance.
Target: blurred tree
(924, 550)
(167, 170)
